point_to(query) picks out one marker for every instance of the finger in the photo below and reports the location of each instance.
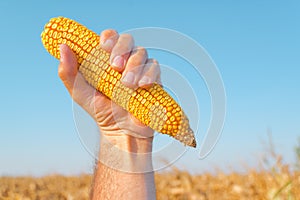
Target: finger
(68, 73)
(108, 39)
(68, 67)
(150, 74)
(81, 92)
(121, 52)
(134, 67)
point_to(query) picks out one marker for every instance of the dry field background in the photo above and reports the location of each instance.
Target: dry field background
(274, 180)
(172, 185)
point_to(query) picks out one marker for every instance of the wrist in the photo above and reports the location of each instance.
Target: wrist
(125, 141)
(126, 152)
(129, 143)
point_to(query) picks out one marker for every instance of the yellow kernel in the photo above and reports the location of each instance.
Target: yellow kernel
(57, 20)
(142, 92)
(50, 33)
(169, 108)
(172, 118)
(151, 107)
(140, 98)
(85, 55)
(105, 66)
(65, 28)
(81, 35)
(73, 37)
(162, 101)
(94, 43)
(146, 94)
(86, 46)
(59, 28)
(116, 73)
(89, 49)
(112, 72)
(75, 48)
(81, 53)
(54, 35)
(76, 39)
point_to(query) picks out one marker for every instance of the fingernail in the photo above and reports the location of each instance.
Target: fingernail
(107, 44)
(62, 49)
(118, 62)
(145, 81)
(128, 78)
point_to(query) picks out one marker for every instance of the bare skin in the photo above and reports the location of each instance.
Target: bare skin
(124, 169)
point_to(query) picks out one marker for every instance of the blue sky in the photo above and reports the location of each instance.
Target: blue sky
(254, 44)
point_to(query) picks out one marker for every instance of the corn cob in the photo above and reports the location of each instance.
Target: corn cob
(154, 107)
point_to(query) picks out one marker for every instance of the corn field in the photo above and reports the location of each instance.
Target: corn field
(172, 185)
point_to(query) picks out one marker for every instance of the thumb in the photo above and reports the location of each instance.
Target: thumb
(81, 92)
(68, 67)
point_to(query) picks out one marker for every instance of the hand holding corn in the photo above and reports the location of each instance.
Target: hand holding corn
(122, 73)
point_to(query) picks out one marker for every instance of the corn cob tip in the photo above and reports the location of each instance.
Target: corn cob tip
(187, 138)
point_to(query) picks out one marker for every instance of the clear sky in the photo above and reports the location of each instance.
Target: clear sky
(255, 45)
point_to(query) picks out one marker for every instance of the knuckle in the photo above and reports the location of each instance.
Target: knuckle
(126, 36)
(124, 45)
(153, 66)
(109, 32)
(134, 62)
(127, 39)
(61, 72)
(138, 57)
(141, 51)
(153, 61)
(120, 50)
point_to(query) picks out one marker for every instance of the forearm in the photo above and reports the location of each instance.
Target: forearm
(124, 169)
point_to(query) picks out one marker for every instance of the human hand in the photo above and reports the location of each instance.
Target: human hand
(137, 70)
